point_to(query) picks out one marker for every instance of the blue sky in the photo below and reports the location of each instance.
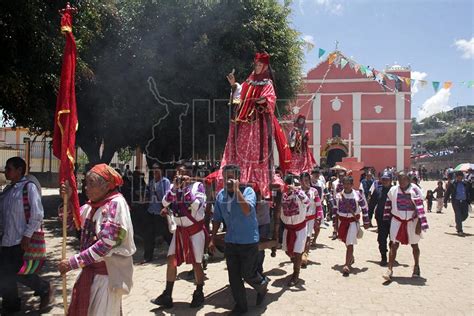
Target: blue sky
(435, 37)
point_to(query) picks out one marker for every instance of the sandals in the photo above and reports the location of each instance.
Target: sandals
(416, 272)
(345, 271)
(388, 275)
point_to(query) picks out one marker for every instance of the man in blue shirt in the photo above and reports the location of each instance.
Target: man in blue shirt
(155, 223)
(459, 193)
(235, 206)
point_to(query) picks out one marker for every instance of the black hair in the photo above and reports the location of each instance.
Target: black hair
(315, 170)
(459, 173)
(290, 179)
(17, 162)
(304, 174)
(348, 179)
(233, 168)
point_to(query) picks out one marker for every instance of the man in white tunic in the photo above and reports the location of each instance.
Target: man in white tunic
(349, 204)
(294, 208)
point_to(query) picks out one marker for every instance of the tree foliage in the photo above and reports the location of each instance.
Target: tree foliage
(185, 48)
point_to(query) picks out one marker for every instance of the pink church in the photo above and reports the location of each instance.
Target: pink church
(352, 114)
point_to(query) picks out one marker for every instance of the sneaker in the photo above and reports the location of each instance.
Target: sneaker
(461, 234)
(388, 275)
(198, 299)
(416, 272)
(164, 300)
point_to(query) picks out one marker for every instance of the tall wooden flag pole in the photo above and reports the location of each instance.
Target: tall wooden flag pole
(65, 127)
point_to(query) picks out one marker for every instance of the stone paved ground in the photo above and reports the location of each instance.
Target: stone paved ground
(446, 286)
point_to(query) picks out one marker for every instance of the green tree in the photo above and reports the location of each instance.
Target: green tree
(187, 47)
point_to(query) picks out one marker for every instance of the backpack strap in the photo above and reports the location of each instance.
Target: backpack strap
(26, 202)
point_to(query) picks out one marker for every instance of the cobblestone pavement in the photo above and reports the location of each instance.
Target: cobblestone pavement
(446, 285)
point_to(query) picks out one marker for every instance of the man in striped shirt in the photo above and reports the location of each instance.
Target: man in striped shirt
(15, 236)
(405, 208)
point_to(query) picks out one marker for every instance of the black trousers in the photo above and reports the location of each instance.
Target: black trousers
(155, 225)
(11, 260)
(461, 212)
(242, 264)
(383, 231)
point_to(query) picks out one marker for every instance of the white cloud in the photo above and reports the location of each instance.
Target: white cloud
(435, 104)
(334, 7)
(308, 39)
(466, 47)
(418, 76)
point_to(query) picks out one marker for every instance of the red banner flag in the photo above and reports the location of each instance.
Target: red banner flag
(65, 118)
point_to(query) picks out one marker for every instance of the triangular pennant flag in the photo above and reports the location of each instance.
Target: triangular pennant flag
(390, 76)
(321, 52)
(470, 83)
(413, 82)
(356, 67)
(436, 86)
(331, 58)
(337, 61)
(423, 83)
(447, 85)
(407, 81)
(351, 65)
(343, 63)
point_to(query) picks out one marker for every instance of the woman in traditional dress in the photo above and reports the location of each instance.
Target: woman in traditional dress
(106, 247)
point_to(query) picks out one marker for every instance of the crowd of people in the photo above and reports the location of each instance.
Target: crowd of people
(241, 199)
(196, 213)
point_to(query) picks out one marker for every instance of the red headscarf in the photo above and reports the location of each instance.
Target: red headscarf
(264, 58)
(109, 174)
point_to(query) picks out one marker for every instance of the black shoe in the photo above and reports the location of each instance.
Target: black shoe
(263, 290)
(10, 307)
(164, 300)
(198, 299)
(383, 262)
(238, 310)
(46, 300)
(263, 286)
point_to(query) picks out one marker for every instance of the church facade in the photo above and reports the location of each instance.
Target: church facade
(348, 113)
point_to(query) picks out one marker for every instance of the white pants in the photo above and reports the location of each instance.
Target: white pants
(300, 242)
(413, 238)
(103, 300)
(197, 240)
(310, 227)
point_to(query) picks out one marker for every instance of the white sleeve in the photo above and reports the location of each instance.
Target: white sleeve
(36, 210)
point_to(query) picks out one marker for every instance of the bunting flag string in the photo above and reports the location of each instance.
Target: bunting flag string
(342, 61)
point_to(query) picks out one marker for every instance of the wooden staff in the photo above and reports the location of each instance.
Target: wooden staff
(63, 253)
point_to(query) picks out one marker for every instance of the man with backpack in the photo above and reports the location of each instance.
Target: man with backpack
(21, 216)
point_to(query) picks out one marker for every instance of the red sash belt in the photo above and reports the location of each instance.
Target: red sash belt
(291, 236)
(310, 217)
(343, 228)
(402, 235)
(82, 288)
(184, 248)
